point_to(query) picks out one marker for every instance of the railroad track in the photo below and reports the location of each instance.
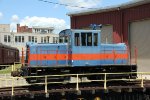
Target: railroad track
(7, 91)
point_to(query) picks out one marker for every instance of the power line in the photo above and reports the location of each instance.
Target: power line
(64, 4)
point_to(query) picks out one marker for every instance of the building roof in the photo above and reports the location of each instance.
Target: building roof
(42, 27)
(130, 4)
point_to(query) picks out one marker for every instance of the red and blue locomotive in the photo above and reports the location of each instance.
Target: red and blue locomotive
(78, 51)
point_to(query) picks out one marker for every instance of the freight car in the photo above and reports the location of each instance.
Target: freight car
(8, 55)
(78, 51)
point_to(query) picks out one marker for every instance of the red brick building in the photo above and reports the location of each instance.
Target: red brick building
(22, 29)
(129, 23)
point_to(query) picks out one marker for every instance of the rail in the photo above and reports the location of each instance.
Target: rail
(78, 79)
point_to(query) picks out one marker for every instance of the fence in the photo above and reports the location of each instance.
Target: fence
(13, 81)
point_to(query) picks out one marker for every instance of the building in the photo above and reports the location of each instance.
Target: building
(42, 30)
(23, 29)
(19, 39)
(129, 23)
(4, 28)
(34, 29)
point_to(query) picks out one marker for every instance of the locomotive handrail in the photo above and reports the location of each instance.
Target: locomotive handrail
(4, 65)
(140, 79)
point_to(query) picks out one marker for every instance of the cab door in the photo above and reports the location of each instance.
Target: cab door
(85, 48)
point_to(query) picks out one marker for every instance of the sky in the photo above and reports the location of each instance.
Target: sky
(51, 13)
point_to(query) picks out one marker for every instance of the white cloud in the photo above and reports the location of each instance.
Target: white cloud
(13, 27)
(58, 24)
(81, 3)
(1, 15)
(15, 18)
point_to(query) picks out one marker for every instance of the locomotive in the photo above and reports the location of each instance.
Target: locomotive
(8, 55)
(78, 51)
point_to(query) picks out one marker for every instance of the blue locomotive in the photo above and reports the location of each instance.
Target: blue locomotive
(78, 51)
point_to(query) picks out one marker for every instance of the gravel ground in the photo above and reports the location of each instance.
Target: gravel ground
(6, 80)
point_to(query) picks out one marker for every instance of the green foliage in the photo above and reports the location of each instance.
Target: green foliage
(8, 69)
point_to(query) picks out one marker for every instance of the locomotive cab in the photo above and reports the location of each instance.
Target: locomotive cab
(85, 44)
(85, 49)
(81, 43)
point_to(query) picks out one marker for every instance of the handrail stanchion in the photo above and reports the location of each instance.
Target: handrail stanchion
(46, 84)
(12, 68)
(142, 81)
(77, 85)
(12, 91)
(6, 80)
(1, 84)
(105, 81)
(14, 65)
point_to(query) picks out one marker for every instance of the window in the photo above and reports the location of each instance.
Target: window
(66, 39)
(8, 38)
(53, 39)
(41, 39)
(32, 38)
(5, 38)
(77, 39)
(83, 38)
(48, 39)
(61, 39)
(22, 38)
(19, 38)
(89, 39)
(95, 39)
(29, 38)
(35, 39)
(57, 39)
(15, 38)
(44, 39)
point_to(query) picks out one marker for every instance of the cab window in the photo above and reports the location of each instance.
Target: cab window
(83, 39)
(63, 39)
(95, 39)
(89, 39)
(77, 39)
(86, 39)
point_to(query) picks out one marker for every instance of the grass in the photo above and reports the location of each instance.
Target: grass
(8, 70)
